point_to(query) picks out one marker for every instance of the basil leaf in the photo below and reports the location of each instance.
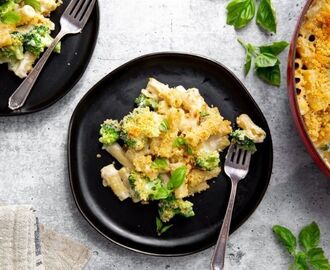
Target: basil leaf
(33, 3)
(160, 226)
(300, 261)
(248, 63)
(10, 17)
(266, 16)
(309, 236)
(240, 12)
(266, 60)
(160, 163)
(250, 50)
(177, 178)
(317, 259)
(286, 237)
(271, 75)
(275, 48)
(165, 228)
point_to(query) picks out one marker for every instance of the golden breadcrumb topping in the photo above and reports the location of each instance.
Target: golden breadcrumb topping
(313, 74)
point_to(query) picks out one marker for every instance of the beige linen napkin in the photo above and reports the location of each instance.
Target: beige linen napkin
(17, 246)
(20, 247)
(60, 252)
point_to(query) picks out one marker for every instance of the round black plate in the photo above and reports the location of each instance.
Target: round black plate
(62, 71)
(133, 225)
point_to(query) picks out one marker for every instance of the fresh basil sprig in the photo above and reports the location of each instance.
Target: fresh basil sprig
(160, 227)
(240, 12)
(275, 48)
(266, 16)
(267, 64)
(309, 239)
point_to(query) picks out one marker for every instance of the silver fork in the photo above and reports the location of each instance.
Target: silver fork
(236, 167)
(73, 20)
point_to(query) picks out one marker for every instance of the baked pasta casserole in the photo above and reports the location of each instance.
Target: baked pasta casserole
(169, 147)
(312, 75)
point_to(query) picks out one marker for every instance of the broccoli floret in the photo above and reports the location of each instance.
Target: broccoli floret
(243, 141)
(109, 132)
(37, 39)
(58, 48)
(138, 126)
(6, 6)
(146, 189)
(14, 51)
(208, 161)
(170, 207)
(144, 101)
(134, 143)
(157, 190)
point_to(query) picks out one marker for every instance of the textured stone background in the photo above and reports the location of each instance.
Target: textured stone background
(33, 164)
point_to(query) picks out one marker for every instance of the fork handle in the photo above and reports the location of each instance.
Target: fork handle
(218, 259)
(18, 98)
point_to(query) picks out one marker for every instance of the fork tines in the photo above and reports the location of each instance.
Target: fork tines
(238, 156)
(80, 9)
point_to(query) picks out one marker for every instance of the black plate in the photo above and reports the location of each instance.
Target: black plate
(61, 73)
(133, 225)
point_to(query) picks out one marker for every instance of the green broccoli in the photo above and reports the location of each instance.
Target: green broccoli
(8, 15)
(208, 161)
(6, 5)
(243, 141)
(109, 132)
(37, 39)
(146, 189)
(134, 143)
(14, 51)
(170, 207)
(58, 48)
(144, 101)
(157, 190)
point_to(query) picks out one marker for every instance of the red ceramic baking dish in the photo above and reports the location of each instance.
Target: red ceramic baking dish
(302, 130)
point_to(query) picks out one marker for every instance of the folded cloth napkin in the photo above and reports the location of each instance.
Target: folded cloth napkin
(26, 245)
(17, 245)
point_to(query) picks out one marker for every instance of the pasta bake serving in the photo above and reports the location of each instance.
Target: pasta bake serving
(25, 32)
(313, 75)
(169, 148)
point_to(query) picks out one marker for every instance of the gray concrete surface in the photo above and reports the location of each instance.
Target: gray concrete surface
(33, 164)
